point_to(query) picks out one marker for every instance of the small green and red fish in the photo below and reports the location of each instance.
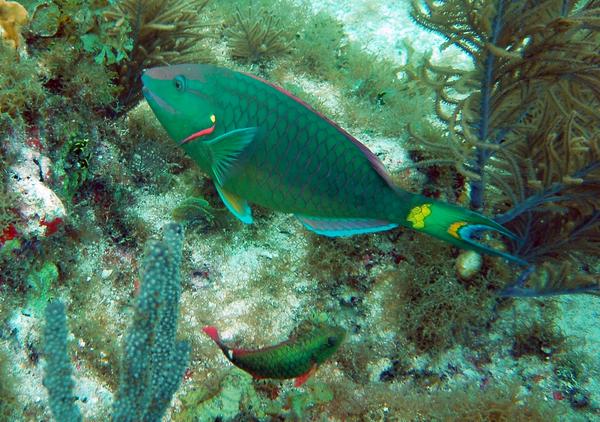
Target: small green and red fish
(296, 358)
(262, 145)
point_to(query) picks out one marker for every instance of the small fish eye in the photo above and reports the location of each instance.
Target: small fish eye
(180, 83)
(331, 340)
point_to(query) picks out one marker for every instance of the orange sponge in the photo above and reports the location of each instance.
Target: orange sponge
(12, 16)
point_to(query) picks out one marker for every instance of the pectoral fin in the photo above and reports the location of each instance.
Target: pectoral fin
(226, 151)
(238, 206)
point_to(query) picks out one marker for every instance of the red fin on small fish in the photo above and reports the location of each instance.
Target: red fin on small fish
(212, 333)
(302, 378)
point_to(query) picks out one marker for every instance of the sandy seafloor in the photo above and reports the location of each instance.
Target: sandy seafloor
(254, 284)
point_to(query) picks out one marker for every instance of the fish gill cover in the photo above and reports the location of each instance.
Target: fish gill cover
(491, 105)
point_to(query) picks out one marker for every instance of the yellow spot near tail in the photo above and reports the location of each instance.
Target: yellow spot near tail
(418, 215)
(454, 227)
(213, 118)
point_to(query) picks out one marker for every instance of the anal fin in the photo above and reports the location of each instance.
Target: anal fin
(302, 378)
(334, 227)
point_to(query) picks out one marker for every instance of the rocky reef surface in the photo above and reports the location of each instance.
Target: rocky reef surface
(428, 337)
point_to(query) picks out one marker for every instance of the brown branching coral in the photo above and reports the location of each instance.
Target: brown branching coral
(12, 16)
(255, 37)
(551, 279)
(163, 32)
(523, 124)
(20, 88)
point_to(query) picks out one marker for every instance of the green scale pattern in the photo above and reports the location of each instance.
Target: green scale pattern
(299, 162)
(291, 358)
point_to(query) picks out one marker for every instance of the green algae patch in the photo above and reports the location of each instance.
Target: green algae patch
(204, 404)
(194, 209)
(237, 397)
(8, 247)
(303, 403)
(40, 283)
(8, 396)
(318, 48)
(21, 89)
(46, 20)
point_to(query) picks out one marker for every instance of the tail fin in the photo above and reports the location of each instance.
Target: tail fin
(213, 333)
(456, 225)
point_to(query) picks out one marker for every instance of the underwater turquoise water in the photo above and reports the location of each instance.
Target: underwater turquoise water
(257, 210)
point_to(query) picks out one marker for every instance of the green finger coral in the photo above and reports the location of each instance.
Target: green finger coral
(154, 361)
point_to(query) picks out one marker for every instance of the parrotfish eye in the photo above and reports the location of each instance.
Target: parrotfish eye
(180, 83)
(331, 341)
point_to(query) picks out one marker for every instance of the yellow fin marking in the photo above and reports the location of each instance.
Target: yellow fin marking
(453, 229)
(236, 203)
(418, 215)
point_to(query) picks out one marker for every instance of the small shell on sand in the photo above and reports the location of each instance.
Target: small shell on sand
(468, 264)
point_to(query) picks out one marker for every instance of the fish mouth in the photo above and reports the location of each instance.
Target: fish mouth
(146, 92)
(154, 99)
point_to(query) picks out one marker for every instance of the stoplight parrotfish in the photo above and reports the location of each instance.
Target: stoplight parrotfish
(296, 358)
(262, 145)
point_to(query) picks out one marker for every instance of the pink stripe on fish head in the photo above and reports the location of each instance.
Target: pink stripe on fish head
(190, 71)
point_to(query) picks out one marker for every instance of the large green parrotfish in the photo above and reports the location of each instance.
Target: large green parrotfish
(262, 145)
